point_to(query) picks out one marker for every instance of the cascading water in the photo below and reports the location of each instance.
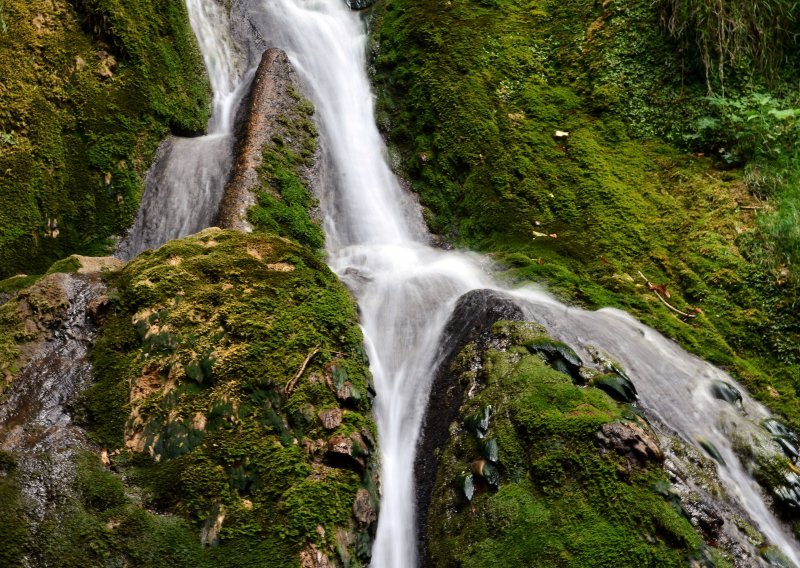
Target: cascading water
(184, 186)
(406, 289)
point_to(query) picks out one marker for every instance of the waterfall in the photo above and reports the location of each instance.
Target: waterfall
(185, 184)
(406, 289)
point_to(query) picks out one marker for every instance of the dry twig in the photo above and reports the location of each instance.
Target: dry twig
(287, 390)
(655, 288)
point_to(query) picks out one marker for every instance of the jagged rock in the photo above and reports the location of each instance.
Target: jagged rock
(313, 558)
(363, 509)
(353, 448)
(631, 441)
(359, 4)
(331, 418)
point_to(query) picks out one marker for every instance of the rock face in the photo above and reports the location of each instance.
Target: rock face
(271, 101)
(359, 4)
(630, 441)
(35, 424)
(472, 318)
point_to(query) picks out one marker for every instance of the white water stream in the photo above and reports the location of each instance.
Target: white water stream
(406, 289)
(184, 186)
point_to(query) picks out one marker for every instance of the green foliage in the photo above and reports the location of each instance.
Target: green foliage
(90, 88)
(757, 33)
(756, 127)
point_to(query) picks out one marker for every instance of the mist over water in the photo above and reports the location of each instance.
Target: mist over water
(406, 289)
(185, 185)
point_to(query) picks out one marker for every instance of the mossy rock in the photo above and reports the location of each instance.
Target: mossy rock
(210, 369)
(535, 489)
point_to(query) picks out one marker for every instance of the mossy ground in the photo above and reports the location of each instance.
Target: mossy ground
(88, 90)
(471, 94)
(560, 501)
(191, 368)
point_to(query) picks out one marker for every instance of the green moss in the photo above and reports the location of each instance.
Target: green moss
(192, 373)
(284, 201)
(560, 501)
(13, 523)
(90, 89)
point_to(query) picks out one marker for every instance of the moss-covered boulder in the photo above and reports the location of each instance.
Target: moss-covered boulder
(233, 390)
(556, 475)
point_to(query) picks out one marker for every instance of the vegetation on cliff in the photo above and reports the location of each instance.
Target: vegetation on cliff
(88, 90)
(557, 136)
(232, 403)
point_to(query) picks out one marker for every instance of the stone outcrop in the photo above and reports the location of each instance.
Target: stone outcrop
(272, 100)
(60, 315)
(472, 319)
(630, 441)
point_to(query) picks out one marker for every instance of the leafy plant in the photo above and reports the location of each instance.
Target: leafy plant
(755, 127)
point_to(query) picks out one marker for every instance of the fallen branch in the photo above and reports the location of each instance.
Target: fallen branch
(287, 390)
(655, 287)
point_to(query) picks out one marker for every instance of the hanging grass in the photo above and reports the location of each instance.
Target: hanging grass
(755, 34)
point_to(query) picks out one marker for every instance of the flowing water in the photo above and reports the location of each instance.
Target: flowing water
(406, 289)
(184, 186)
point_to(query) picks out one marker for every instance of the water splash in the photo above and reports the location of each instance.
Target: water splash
(185, 184)
(406, 290)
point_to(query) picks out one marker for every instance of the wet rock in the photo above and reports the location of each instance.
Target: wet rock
(331, 419)
(711, 450)
(630, 441)
(472, 320)
(696, 484)
(478, 423)
(359, 4)
(363, 509)
(779, 429)
(560, 356)
(618, 386)
(467, 485)
(489, 449)
(486, 471)
(35, 424)
(726, 392)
